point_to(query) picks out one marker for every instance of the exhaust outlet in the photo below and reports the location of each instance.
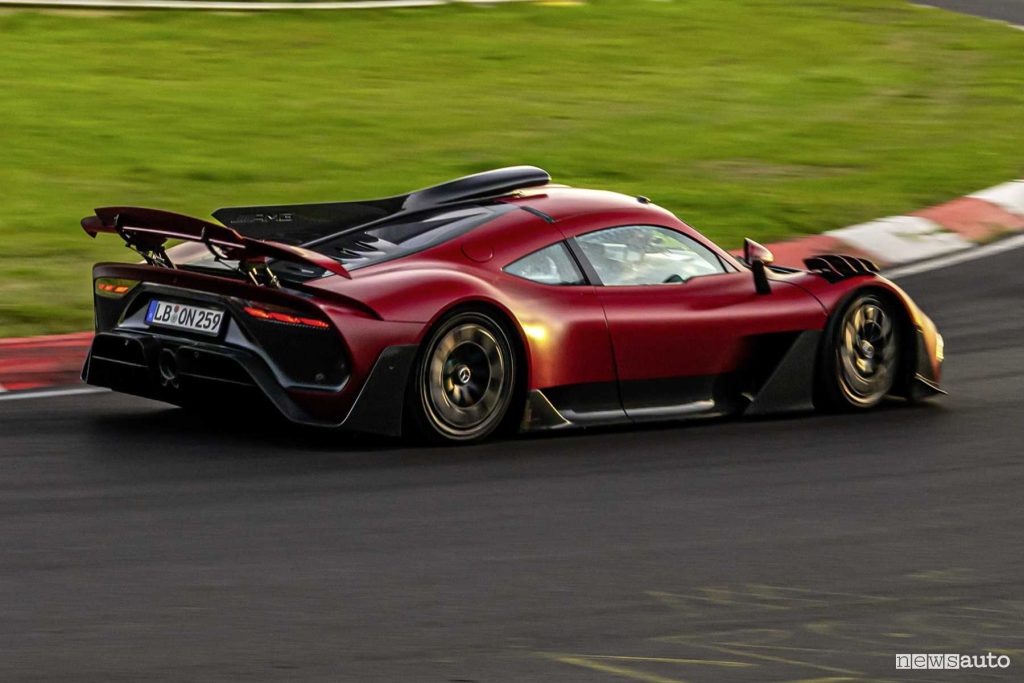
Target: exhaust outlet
(167, 366)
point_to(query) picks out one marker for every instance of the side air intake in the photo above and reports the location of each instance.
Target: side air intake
(835, 267)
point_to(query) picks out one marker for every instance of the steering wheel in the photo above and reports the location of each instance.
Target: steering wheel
(673, 279)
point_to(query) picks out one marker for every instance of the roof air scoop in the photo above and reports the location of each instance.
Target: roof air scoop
(477, 186)
(310, 224)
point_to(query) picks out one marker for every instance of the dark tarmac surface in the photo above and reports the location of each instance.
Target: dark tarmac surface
(139, 545)
(1006, 10)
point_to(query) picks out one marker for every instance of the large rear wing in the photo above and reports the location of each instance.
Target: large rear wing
(147, 231)
(252, 235)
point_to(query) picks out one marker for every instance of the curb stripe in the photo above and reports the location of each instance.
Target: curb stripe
(1008, 196)
(974, 219)
(947, 228)
(942, 233)
(1015, 242)
(899, 239)
(48, 360)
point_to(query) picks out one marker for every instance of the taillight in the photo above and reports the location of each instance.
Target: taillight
(114, 287)
(287, 318)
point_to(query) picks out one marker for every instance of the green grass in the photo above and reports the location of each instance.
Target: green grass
(765, 118)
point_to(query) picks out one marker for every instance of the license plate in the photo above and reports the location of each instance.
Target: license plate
(184, 317)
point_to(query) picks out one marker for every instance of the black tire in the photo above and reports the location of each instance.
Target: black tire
(464, 380)
(861, 354)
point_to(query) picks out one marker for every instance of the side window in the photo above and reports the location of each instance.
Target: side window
(549, 266)
(647, 255)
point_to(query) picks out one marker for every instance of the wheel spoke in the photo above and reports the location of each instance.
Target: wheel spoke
(886, 327)
(866, 352)
(465, 378)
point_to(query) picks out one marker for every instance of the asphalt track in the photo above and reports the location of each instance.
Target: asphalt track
(1005, 10)
(140, 545)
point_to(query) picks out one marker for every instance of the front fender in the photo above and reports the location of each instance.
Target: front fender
(927, 348)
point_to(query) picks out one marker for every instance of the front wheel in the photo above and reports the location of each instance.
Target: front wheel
(464, 381)
(860, 354)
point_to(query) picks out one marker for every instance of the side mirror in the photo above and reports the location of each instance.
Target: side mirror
(758, 256)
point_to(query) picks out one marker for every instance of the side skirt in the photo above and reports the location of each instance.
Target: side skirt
(600, 405)
(788, 388)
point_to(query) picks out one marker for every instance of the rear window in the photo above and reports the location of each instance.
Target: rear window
(394, 240)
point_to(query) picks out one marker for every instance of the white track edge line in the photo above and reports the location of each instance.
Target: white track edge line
(975, 253)
(52, 393)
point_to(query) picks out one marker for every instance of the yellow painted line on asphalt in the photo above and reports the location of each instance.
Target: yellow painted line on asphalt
(713, 596)
(726, 663)
(729, 637)
(621, 671)
(604, 664)
(788, 648)
(814, 591)
(777, 660)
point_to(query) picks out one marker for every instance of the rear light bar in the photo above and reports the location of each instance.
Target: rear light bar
(287, 318)
(114, 287)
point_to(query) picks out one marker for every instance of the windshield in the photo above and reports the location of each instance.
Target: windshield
(395, 240)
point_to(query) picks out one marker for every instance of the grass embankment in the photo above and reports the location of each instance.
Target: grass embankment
(750, 117)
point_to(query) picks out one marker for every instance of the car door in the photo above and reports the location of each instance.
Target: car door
(682, 321)
(570, 355)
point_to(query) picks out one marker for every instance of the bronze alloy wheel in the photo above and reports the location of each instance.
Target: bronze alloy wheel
(867, 351)
(466, 378)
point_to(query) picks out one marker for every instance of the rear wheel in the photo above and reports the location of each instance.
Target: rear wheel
(860, 354)
(465, 379)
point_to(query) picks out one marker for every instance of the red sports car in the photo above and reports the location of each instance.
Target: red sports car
(495, 301)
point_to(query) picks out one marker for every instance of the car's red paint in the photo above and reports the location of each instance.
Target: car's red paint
(701, 327)
(570, 336)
